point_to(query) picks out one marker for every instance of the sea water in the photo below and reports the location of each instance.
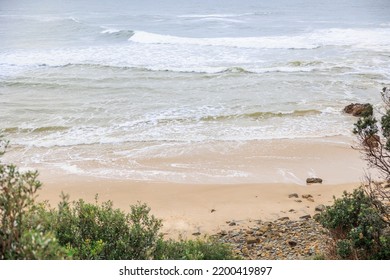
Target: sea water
(112, 88)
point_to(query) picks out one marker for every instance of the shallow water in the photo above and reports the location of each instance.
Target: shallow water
(83, 81)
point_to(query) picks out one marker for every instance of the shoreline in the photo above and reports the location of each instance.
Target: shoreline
(207, 208)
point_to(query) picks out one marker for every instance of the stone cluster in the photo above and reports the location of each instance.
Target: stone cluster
(278, 240)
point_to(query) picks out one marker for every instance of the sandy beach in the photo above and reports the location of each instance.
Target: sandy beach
(207, 208)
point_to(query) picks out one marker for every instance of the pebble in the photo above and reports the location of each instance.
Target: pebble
(292, 243)
(305, 217)
(251, 240)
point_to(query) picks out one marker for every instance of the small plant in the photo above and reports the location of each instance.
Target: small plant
(208, 249)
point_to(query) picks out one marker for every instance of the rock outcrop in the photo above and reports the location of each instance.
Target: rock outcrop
(359, 110)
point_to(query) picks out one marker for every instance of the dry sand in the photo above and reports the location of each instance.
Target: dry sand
(186, 209)
(206, 208)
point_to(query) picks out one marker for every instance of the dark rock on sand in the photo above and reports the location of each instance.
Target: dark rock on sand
(293, 195)
(305, 217)
(320, 208)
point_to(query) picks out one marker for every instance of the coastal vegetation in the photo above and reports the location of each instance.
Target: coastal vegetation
(357, 227)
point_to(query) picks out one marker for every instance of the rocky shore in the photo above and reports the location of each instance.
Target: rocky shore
(282, 239)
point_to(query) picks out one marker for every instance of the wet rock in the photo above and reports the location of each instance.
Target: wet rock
(313, 181)
(359, 109)
(293, 195)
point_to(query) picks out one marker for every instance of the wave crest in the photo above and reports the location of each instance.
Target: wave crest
(378, 38)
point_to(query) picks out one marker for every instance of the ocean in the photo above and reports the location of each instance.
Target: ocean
(167, 90)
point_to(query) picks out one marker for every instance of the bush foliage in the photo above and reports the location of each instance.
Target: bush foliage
(357, 227)
(22, 234)
(98, 231)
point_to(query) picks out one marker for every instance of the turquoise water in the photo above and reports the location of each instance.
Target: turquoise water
(93, 87)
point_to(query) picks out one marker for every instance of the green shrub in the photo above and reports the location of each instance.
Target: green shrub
(357, 227)
(37, 245)
(93, 231)
(20, 238)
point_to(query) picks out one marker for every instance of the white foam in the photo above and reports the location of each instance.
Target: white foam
(110, 31)
(215, 15)
(239, 42)
(378, 38)
(70, 168)
(213, 55)
(289, 177)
